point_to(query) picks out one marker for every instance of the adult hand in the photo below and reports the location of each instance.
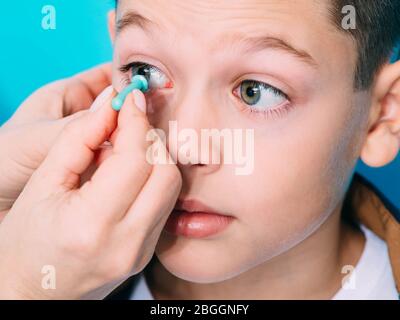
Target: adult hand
(93, 234)
(27, 137)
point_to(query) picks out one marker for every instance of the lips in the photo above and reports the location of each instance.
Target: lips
(192, 219)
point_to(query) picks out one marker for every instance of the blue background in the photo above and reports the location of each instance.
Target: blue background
(31, 57)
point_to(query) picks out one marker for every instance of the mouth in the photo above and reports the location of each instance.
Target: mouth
(193, 219)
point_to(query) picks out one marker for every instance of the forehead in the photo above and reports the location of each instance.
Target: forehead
(305, 24)
(206, 15)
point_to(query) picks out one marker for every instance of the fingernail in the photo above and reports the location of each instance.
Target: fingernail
(102, 98)
(139, 100)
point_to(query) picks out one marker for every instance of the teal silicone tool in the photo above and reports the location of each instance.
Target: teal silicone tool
(138, 82)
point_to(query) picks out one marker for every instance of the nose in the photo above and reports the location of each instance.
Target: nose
(191, 132)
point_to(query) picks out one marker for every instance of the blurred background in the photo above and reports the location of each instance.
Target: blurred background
(31, 57)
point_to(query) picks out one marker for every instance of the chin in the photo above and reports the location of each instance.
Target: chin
(200, 261)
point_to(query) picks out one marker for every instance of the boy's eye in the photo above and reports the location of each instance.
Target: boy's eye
(155, 77)
(261, 96)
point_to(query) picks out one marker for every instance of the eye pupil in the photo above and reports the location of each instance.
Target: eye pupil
(250, 92)
(144, 71)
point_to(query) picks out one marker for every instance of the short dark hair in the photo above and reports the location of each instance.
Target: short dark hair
(376, 34)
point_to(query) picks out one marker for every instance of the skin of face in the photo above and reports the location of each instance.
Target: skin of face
(287, 211)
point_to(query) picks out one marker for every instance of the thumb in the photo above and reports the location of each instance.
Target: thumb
(35, 141)
(75, 147)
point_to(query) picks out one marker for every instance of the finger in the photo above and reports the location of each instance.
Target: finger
(122, 175)
(100, 155)
(88, 84)
(105, 151)
(133, 120)
(37, 139)
(74, 149)
(164, 185)
(141, 227)
(97, 78)
(30, 144)
(147, 216)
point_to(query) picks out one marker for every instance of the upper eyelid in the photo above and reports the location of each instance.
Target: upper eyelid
(281, 91)
(271, 80)
(154, 64)
(126, 67)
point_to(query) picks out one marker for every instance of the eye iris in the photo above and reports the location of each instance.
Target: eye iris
(250, 92)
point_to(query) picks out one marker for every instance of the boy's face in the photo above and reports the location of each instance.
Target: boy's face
(307, 133)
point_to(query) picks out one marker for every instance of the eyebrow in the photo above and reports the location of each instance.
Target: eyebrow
(259, 43)
(250, 44)
(134, 19)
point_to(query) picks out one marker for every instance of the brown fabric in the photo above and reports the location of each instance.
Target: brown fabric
(369, 207)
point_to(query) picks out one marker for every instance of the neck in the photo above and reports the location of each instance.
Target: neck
(310, 270)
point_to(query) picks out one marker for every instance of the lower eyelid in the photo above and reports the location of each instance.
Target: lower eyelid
(273, 113)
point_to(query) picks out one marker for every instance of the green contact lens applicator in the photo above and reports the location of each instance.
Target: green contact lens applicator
(138, 82)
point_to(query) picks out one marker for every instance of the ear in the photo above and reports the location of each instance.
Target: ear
(111, 24)
(383, 140)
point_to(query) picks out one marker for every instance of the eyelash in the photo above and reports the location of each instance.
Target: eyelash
(273, 113)
(124, 69)
(127, 67)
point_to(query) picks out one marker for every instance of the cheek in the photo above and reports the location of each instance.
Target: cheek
(159, 109)
(302, 173)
